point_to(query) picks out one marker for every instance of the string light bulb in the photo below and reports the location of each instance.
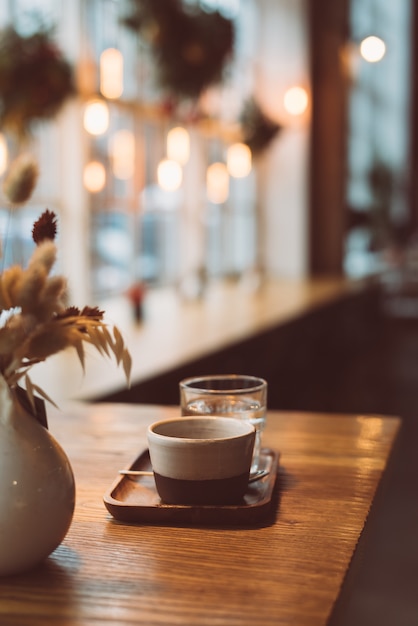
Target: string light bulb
(372, 49)
(295, 100)
(122, 154)
(169, 175)
(238, 160)
(217, 183)
(111, 73)
(4, 154)
(94, 176)
(178, 145)
(96, 117)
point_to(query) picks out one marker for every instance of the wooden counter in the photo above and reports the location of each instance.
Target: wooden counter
(288, 570)
(175, 332)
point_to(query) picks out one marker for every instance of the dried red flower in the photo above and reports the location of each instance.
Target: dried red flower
(71, 311)
(45, 227)
(90, 311)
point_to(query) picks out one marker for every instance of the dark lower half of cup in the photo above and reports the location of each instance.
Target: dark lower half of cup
(217, 491)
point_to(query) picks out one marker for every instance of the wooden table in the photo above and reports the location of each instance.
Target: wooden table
(175, 332)
(288, 570)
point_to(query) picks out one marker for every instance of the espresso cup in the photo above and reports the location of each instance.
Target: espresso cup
(201, 460)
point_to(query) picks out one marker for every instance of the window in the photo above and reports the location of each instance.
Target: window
(378, 147)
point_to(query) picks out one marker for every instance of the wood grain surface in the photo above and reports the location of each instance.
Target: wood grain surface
(288, 570)
(175, 331)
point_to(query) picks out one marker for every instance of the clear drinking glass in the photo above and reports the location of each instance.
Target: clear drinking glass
(233, 395)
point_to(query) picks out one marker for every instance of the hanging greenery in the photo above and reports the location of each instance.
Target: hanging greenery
(257, 129)
(35, 79)
(190, 46)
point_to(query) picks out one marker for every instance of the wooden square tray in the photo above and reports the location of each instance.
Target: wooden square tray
(135, 499)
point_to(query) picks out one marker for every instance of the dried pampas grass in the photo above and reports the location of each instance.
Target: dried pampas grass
(21, 179)
(35, 320)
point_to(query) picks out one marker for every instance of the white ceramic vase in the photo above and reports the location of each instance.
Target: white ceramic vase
(37, 489)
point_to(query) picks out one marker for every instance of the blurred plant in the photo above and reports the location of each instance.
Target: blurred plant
(190, 46)
(35, 79)
(257, 129)
(35, 321)
(20, 179)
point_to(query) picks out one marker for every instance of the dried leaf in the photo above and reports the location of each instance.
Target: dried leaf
(119, 345)
(107, 336)
(78, 345)
(42, 393)
(127, 365)
(29, 391)
(99, 340)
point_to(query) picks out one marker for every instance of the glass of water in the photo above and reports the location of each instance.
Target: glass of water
(233, 395)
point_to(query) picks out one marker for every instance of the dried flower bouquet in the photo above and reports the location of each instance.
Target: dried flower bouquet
(35, 321)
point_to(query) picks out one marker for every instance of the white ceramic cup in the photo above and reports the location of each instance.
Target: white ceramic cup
(201, 460)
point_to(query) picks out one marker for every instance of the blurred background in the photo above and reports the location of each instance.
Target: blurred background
(183, 142)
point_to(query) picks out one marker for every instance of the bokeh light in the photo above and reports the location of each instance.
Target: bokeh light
(296, 100)
(372, 49)
(94, 177)
(217, 183)
(122, 154)
(96, 117)
(111, 73)
(178, 145)
(238, 160)
(169, 174)
(4, 154)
